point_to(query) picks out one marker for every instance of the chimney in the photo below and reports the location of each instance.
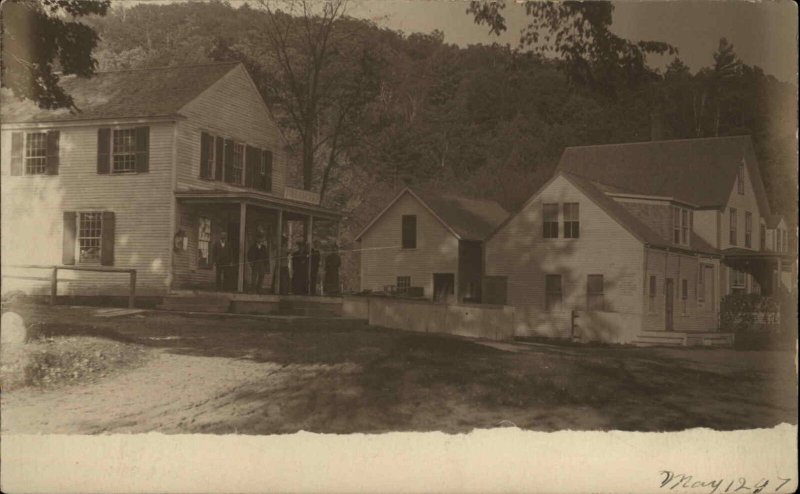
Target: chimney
(656, 125)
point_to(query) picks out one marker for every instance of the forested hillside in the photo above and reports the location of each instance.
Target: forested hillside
(486, 120)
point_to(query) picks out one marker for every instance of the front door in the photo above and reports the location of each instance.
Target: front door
(232, 279)
(443, 287)
(668, 303)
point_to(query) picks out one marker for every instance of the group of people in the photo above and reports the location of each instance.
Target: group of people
(304, 262)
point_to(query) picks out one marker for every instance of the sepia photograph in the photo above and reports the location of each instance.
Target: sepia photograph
(344, 221)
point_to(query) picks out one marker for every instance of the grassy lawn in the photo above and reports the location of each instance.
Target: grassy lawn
(217, 374)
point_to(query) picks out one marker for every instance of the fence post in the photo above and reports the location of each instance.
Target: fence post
(54, 286)
(132, 295)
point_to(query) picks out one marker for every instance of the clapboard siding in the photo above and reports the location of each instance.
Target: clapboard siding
(233, 109)
(697, 316)
(383, 259)
(519, 252)
(33, 206)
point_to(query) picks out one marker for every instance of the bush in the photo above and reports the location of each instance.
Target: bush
(760, 322)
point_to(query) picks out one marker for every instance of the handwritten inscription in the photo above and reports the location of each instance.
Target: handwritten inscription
(681, 481)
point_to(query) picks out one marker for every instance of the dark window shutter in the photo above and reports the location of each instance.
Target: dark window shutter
(103, 150)
(107, 241)
(266, 156)
(142, 149)
(17, 139)
(205, 168)
(68, 246)
(228, 160)
(219, 158)
(53, 137)
(252, 168)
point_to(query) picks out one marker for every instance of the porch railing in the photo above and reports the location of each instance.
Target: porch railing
(54, 277)
(300, 195)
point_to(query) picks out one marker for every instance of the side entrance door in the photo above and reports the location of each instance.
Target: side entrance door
(668, 303)
(443, 287)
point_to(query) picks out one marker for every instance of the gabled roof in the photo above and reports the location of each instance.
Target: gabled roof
(465, 218)
(148, 92)
(695, 171)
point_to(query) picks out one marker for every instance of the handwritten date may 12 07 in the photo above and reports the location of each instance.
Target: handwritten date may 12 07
(681, 481)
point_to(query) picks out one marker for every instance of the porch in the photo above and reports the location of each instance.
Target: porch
(241, 218)
(771, 272)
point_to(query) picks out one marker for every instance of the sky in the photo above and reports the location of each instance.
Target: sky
(763, 32)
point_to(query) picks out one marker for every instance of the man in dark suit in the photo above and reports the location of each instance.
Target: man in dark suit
(314, 258)
(221, 254)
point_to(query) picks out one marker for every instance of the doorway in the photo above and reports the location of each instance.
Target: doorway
(443, 287)
(669, 304)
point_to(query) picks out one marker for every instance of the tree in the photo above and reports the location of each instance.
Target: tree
(579, 33)
(318, 75)
(42, 38)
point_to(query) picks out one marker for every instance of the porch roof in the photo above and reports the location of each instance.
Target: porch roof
(737, 253)
(255, 199)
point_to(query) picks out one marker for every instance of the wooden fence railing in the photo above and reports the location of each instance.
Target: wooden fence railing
(54, 277)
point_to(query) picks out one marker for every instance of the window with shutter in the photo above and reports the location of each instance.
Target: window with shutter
(219, 157)
(35, 153)
(229, 150)
(266, 170)
(142, 149)
(17, 139)
(409, 231)
(103, 151)
(53, 151)
(107, 244)
(733, 221)
(68, 245)
(90, 236)
(123, 151)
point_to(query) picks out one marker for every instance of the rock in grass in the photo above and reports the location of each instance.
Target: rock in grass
(12, 329)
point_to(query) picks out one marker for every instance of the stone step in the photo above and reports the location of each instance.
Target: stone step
(199, 304)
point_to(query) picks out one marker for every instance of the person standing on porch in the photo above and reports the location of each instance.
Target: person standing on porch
(258, 257)
(332, 263)
(300, 270)
(221, 254)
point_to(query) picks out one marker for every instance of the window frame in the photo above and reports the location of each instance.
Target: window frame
(549, 225)
(652, 306)
(740, 179)
(684, 295)
(572, 227)
(211, 154)
(733, 221)
(79, 237)
(129, 154)
(734, 275)
(593, 296)
(549, 291)
(762, 237)
(402, 284)
(239, 151)
(408, 243)
(40, 159)
(748, 229)
(676, 225)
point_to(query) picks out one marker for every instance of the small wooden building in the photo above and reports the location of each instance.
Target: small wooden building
(428, 245)
(146, 173)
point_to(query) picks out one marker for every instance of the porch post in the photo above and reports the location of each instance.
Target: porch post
(307, 227)
(276, 285)
(242, 243)
(779, 275)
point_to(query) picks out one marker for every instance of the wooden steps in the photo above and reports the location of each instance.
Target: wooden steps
(197, 303)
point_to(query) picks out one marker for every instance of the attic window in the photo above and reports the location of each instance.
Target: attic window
(550, 223)
(740, 179)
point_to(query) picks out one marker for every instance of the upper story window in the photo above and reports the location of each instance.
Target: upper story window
(123, 151)
(733, 221)
(237, 167)
(235, 162)
(762, 235)
(571, 220)
(34, 153)
(785, 241)
(748, 229)
(681, 225)
(550, 220)
(409, 231)
(740, 179)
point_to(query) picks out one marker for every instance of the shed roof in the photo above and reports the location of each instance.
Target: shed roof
(696, 171)
(147, 92)
(466, 218)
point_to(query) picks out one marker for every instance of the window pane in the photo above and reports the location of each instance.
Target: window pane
(124, 150)
(550, 212)
(90, 228)
(36, 153)
(409, 231)
(403, 283)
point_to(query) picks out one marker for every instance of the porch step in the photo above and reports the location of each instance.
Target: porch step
(680, 339)
(196, 304)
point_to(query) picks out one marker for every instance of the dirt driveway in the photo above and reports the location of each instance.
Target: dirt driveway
(218, 374)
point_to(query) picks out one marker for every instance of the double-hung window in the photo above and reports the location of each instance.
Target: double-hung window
(90, 236)
(403, 284)
(550, 220)
(684, 294)
(409, 231)
(123, 151)
(237, 168)
(733, 221)
(571, 220)
(35, 153)
(676, 225)
(595, 298)
(740, 179)
(748, 229)
(685, 226)
(553, 293)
